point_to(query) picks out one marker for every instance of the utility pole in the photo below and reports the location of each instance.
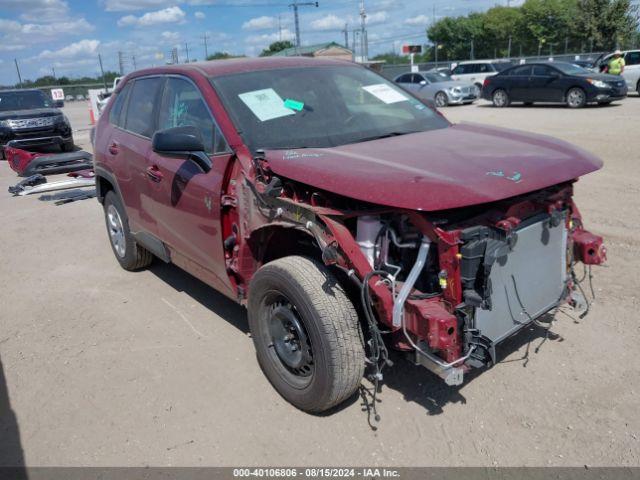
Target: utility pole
(566, 45)
(509, 48)
(18, 70)
(133, 60)
(346, 35)
(279, 27)
(363, 33)
(472, 53)
(186, 47)
(295, 6)
(104, 80)
(120, 63)
(206, 52)
(53, 69)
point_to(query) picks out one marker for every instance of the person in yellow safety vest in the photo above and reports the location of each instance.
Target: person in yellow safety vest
(616, 64)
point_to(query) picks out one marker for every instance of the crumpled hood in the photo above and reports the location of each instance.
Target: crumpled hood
(32, 113)
(461, 165)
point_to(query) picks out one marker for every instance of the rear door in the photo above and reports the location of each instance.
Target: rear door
(129, 146)
(546, 84)
(187, 200)
(518, 84)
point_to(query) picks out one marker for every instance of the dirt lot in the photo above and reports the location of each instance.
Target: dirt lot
(104, 367)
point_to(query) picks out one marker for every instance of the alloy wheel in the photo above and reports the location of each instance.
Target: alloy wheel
(116, 231)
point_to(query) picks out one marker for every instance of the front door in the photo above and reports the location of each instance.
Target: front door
(546, 84)
(186, 201)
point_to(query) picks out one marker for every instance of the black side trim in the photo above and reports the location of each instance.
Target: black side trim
(153, 244)
(59, 163)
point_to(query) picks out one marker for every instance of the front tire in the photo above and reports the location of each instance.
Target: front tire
(306, 333)
(500, 98)
(441, 99)
(576, 98)
(129, 254)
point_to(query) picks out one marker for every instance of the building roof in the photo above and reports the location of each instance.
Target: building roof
(307, 50)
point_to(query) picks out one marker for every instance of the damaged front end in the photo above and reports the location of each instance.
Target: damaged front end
(445, 287)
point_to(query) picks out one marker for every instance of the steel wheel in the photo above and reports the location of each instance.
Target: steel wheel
(576, 98)
(290, 343)
(500, 98)
(116, 231)
(441, 100)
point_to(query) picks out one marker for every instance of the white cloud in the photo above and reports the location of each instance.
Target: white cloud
(37, 10)
(199, 15)
(83, 47)
(10, 26)
(377, 17)
(11, 47)
(419, 20)
(170, 37)
(132, 5)
(329, 22)
(267, 38)
(71, 27)
(260, 23)
(168, 15)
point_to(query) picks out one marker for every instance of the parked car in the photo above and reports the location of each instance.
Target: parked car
(334, 205)
(439, 88)
(69, 98)
(475, 71)
(556, 82)
(445, 70)
(28, 119)
(80, 97)
(631, 73)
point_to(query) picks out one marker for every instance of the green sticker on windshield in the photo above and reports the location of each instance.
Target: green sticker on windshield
(294, 105)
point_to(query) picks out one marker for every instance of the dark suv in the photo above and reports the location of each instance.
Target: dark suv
(347, 215)
(28, 119)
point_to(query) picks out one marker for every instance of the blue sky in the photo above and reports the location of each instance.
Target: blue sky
(68, 35)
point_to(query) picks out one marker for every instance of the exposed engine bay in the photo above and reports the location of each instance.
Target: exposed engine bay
(446, 287)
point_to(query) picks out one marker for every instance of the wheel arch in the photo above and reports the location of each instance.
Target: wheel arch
(105, 182)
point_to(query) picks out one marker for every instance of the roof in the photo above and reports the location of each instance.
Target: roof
(307, 50)
(12, 90)
(499, 60)
(217, 68)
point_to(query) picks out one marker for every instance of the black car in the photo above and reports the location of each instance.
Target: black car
(28, 119)
(556, 82)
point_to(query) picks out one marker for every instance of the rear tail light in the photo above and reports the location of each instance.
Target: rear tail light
(486, 82)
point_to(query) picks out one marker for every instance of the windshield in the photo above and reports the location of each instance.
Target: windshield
(26, 100)
(437, 77)
(571, 69)
(320, 107)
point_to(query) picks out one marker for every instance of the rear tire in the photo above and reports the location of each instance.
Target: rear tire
(576, 98)
(500, 98)
(129, 254)
(306, 333)
(441, 99)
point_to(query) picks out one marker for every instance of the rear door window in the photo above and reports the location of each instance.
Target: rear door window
(116, 115)
(406, 78)
(484, 68)
(462, 69)
(521, 71)
(143, 98)
(182, 105)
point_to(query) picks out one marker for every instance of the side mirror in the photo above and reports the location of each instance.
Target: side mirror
(182, 142)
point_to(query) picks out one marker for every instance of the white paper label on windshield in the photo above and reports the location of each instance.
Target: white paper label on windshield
(384, 92)
(265, 104)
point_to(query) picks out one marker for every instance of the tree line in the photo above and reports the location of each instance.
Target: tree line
(537, 27)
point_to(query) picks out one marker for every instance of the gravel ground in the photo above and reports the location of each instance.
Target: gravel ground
(108, 368)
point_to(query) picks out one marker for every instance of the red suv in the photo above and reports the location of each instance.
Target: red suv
(347, 215)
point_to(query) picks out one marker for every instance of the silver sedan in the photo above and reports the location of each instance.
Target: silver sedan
(439, 88)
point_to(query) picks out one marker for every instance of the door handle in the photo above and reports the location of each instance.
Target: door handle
(154, 173)
(114, 148)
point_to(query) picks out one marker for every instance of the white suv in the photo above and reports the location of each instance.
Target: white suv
(631, 72)
(475, 71)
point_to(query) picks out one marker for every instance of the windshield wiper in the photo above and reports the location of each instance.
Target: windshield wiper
(384, 135)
